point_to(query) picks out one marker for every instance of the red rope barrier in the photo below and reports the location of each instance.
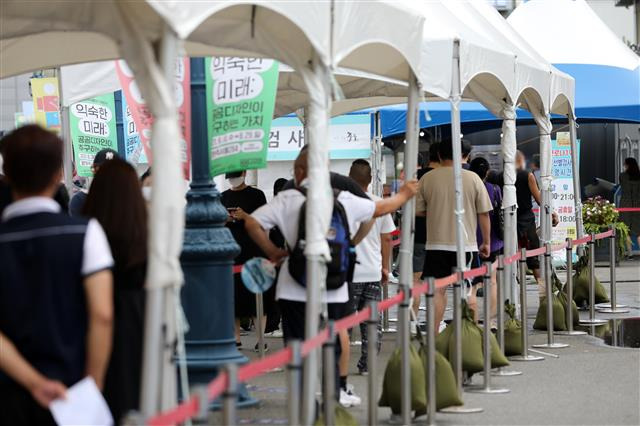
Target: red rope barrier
(256, 368)
(536, 252)
(603, 235)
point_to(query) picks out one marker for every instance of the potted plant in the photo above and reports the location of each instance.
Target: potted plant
(598, 214)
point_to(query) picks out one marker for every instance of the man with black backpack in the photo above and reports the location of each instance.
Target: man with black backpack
(286, 211)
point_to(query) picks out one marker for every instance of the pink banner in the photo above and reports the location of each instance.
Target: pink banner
(142, 116)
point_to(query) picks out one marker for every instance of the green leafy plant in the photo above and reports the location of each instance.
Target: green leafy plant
(598, 214)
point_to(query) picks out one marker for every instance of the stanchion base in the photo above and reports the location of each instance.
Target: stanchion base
(482, 389)
(461, 409)
(551, 345)
(521, 358)
(593, 322)
(504, 373)
(570, 333)
(613, 311)
(608, 306)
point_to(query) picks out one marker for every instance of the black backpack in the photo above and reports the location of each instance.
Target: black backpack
(343, 252)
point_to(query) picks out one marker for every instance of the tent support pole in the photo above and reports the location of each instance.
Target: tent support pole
(318, 198)
(575, 166)
(455, 99)
(509, 197)
(406, 244)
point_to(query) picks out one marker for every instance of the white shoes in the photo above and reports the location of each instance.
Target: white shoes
(348, 398)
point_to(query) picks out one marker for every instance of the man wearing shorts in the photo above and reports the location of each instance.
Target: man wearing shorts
(436, 200)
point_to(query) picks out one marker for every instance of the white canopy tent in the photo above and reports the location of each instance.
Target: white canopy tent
(440, 51)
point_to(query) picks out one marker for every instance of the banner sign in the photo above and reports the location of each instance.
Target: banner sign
(46, 103)
(562, 195)
(134, 151)
(143, 120)
(350, 137)
(92, 125)
(241, 96)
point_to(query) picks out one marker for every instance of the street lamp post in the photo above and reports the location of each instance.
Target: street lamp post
(207, 259)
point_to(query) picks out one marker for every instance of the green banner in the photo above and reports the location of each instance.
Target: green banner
(93, 128)
(241, 94)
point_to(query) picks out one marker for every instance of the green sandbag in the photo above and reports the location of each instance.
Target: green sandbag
(391, 393)
(512, 332)
(442, 340)
(497, 357)
(446, 389)
(559, 323)
(341, 417)
(581, 284)
(564, 300)
(472, 357)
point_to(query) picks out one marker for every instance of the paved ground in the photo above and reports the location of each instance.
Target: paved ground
(589, 384)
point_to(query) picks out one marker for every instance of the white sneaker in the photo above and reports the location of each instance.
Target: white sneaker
(443, 325)
(348, 398)
(275, 333)
(412, 327)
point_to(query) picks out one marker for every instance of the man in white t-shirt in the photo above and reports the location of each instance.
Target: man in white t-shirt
(283, 211)
(373, 254)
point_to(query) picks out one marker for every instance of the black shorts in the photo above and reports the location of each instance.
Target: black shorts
(441, 263)
(528, 239)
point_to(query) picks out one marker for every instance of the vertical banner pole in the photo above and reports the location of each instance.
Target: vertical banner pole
(613, 307)
(431, 353)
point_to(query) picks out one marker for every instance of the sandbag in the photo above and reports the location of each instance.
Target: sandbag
(446, 389)
(391, 385)
(442, 340)
(512, 332)
(559, 323)
(581, 284)
(497, 357)
(472, 356)
(341, 417)
(564, 300)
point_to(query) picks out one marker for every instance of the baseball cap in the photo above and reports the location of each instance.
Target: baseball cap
(104, 155)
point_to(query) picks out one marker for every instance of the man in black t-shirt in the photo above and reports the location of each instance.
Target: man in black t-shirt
(242, 200)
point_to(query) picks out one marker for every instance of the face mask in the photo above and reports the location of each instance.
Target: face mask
(146, 193)
(236, 181)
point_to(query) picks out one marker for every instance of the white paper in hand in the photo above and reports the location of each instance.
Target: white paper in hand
(84, 405)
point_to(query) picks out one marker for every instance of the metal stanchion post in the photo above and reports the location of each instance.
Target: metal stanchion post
(522, 272)
(592, 285)
(613, 307)
(260, 323)
(486, 342)
(549, 296)
(569, 285)
(405, 374)
(329, 382)
(431, 353)
(500, 282)
(230, 396)
(372, 363)
(295, 382)
(457, 355)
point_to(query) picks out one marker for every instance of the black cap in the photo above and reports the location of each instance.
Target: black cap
(233, 174)
(104, 155)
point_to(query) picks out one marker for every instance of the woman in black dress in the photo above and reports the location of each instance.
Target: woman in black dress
(115, 200)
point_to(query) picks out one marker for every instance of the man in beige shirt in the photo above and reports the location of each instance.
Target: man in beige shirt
(436, 200)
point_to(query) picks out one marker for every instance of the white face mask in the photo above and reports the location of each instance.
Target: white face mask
(146, 193)
(236, 181)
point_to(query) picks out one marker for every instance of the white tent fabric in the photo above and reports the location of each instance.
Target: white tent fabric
(572, 34)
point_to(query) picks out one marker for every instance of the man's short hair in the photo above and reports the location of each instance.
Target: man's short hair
(445, 150)
(32, 158)
(360, 171)
(535, 160)
(433, 152)
(466, 148)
